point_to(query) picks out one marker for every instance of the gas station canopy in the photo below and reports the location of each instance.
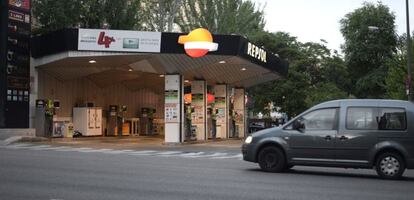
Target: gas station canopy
(68, 54)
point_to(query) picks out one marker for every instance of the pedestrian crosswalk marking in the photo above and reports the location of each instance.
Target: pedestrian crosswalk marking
(210, 155)
(168, 153)
(178, 154)
(228, 157)
(142, 153)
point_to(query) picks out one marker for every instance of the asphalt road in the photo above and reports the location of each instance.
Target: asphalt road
(63, 175)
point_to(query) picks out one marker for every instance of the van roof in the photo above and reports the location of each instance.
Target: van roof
(365, 102)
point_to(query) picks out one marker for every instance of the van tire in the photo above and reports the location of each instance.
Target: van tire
(390, 165)
(271, 159)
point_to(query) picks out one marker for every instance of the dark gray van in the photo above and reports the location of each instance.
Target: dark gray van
(348, 133)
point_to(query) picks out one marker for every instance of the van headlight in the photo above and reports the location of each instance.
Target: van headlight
(248, 140)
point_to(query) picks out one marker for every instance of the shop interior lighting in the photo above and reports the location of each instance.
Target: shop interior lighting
(186, 81)
(243, 69)
(222, 62)
(162, 76)
(92, 61)
(130, 70)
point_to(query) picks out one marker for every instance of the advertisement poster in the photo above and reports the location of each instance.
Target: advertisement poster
(122, 41)
(171, 112)
(197, 117)
(221, 116)
(172, 99)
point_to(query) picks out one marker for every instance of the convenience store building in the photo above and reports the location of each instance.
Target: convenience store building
(184, 87)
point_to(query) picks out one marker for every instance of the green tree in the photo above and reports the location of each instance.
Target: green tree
(315, 75)
(397, 72)
(122, 14)
(335, 71)
(53, 15)
(324, 92)
(221, 16)
(367, 50)
(159, 15)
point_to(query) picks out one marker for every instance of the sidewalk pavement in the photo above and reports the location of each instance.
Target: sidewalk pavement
(138, 143)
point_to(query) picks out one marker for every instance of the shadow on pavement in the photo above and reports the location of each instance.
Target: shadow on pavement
(332, 174)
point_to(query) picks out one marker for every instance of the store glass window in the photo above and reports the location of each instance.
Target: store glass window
(392, 119)
(361, 118)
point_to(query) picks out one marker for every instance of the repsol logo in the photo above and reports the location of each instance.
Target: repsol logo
(256, 52)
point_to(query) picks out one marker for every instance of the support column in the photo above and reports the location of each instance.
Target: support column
(34, 93)
(221, 109)
(239, 112)
(199, 102)
(173, 115)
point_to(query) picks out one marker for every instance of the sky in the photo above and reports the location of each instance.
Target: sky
(312, 20)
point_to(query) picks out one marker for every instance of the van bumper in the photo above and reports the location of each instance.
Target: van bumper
(248, 151)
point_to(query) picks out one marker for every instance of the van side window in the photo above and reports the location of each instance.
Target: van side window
(323, 119)
(392, 119)
(361, 118)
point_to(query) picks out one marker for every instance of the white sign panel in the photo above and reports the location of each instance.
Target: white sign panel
(172, 99)
(114, 40)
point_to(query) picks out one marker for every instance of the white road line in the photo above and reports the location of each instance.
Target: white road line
(94, 150)
(36, 148)
(114, 152)
(128, 150)
(209, 155)
(19, 146)
(143, 153)
(82, 149)
(40, 147)
(228, 157)
(168, 153)
(65, 148)
(188, 155)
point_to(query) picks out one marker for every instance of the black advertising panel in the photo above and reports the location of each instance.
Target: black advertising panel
(261, 56)
(3, 61)
(17, 80)
(232, 45)
(54, 42)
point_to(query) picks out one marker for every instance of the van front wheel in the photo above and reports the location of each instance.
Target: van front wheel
(271, 159)
(390, 165)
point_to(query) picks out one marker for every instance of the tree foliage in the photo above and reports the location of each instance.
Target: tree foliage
(315, 75)
(221, 16)
(397, 71)
(159, 15)
(116, 14)
(368, 49)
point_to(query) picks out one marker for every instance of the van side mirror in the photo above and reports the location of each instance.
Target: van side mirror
(298, 125)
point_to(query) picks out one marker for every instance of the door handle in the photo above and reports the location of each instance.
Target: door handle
(342, 138)
(328, 138)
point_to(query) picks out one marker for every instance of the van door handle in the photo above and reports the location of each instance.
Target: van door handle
(342, 138)
(328, 138)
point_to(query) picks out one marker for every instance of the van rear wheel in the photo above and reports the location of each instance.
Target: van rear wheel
(390, 165)
(271, 159)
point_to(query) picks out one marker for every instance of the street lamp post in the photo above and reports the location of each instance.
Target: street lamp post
(409, 54)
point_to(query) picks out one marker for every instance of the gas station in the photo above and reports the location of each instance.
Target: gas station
(182, 87)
